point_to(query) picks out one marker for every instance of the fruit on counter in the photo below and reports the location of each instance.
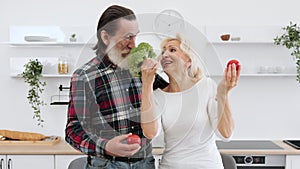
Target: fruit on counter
(234, 61)
(133, 139)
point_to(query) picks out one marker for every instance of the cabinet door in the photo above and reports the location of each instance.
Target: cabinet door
(292, 162)
(157, 160)
(2, 161)
(63, 161)
(30, 161)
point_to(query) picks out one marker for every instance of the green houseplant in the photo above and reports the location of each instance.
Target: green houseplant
(291, 40)
(32, 75)
(73, 37)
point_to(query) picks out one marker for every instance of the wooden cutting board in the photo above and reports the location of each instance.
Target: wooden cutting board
(51, 140)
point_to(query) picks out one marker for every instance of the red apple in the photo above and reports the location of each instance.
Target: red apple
(234, 61)
(133, 139)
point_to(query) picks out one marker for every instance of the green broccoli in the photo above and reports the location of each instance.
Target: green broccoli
(137, 56)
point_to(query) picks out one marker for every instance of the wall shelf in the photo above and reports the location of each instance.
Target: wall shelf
(56, 75)
(18, 75)
(262, 75)
(50, 36)
(49, 67)
(262, 34)
(59, 103)
(269, 75)
(242, 42)
(47, 44)
(44, 37)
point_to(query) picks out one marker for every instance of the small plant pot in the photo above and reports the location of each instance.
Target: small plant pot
(73, 39)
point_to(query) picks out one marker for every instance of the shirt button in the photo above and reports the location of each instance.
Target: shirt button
(132, 127)
(127, 90)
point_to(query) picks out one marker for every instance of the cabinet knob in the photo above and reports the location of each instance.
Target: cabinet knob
(9, 164)
(1, 163)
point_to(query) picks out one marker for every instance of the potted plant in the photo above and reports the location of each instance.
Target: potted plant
(291, 40)
(32, 75)
(73, 37)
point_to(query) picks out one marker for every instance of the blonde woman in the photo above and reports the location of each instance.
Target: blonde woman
(190, 111)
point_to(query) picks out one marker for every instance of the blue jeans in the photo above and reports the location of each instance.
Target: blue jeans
(102, 163)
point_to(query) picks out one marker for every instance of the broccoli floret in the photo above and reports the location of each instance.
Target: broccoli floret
(137, 56)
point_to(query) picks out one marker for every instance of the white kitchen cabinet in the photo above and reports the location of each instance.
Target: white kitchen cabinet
(157, 160)
(63, 161)
(27, 161)
(292, 162)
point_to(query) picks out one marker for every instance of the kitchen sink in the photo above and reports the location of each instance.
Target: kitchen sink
(293, 143)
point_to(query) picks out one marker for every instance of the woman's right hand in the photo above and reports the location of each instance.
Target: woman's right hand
(148, 69)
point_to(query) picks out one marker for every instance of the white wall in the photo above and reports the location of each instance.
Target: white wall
(264, 107)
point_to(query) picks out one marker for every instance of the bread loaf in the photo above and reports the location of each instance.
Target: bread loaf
(18, 135)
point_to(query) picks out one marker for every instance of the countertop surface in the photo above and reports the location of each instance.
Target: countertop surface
(283, 149)
(62, 148)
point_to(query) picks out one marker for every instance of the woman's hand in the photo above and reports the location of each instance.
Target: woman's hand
(230, 80)
(148, 69)
(149, 122)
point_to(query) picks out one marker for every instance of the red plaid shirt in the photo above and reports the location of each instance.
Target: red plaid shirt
(104, 102)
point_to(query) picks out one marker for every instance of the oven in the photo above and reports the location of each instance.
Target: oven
(254, 161)
(259, 161)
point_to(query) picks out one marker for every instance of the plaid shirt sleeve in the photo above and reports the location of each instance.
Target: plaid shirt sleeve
(78, 131)
(101, 106)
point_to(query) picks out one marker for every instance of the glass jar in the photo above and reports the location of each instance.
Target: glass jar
(62, 66)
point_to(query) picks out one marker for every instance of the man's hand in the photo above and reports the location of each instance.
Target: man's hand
(116, 147)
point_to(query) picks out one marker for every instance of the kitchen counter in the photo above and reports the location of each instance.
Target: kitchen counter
(62, 148)
(286, 150)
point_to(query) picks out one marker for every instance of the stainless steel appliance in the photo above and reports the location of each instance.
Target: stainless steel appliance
(249, 161)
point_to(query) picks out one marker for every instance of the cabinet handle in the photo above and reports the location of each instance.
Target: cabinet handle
(1, 163)
(9, 164)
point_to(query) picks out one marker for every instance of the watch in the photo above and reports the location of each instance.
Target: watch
(168, 23)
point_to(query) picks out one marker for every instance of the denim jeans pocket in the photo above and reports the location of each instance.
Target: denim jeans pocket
(98, 163)
(149, 163)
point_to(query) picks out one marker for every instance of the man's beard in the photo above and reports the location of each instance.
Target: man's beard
(116, 57)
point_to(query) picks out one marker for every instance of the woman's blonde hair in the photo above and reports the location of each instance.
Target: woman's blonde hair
(194, 71)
